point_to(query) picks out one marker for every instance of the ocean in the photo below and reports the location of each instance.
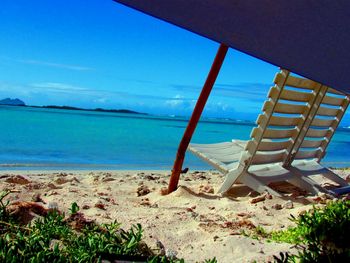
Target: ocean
(38, 138)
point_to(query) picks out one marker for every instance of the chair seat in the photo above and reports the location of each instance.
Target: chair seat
(223, 156)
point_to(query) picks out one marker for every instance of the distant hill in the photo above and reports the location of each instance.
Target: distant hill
(18, 102)
(82, 109)
(12, 102)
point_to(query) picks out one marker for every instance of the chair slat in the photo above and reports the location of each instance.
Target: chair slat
(226, 158)
(324, 111)
(284, 121)
(315, 133)
(268, 157)
(274, 133)
(311, 143)
(322, 122)
(296, 95)
(300, 83)
(333, 91)
(263, 120)
(332, 101)
(285, 108)
(268, 145)
(279, 134)
(307, 154)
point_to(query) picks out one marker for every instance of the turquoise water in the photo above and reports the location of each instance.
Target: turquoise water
(33, 138)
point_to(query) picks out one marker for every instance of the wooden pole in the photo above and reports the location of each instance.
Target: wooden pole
(197, 112)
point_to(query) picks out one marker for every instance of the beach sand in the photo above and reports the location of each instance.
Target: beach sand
(193, 222)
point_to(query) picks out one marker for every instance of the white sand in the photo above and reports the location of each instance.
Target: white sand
(194, 222)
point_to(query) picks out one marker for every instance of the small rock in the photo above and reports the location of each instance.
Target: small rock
(268, 196)
(347, 178)
(161, 247)
(18, 179)
(143, 190)
(61, 181)
(346, 197)
(108, 179)
(288, 205)
(85, 207)
(52, 186)
(53, 193)
(185, 170)
(163, 191)
(257, 199)
(243, 214)
(145, 202)
(206, 189)
(37, 198)
(189, 209)
(277, 206)
(100, 206)
(150, 178)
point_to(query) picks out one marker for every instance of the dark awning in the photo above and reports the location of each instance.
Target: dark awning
(310, 38)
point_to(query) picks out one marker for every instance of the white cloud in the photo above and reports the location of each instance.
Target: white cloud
(56, 65)
(101, 100)
(175, 102)
(57, 86)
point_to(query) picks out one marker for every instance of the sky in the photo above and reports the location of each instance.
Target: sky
(98, 53)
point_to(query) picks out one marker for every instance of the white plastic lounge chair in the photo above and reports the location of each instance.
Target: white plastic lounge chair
(306, 157)
(261, 161)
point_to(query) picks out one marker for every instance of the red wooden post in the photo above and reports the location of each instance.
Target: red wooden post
(197, 112)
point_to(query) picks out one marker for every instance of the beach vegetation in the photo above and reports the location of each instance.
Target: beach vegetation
(320, 235)
(73, 238)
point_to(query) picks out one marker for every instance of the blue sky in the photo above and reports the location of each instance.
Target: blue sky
(98, 53)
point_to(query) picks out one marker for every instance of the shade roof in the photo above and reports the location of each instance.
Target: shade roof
(310, 38)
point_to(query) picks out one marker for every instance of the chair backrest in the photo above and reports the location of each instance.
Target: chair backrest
(285, 111)
(322, 126)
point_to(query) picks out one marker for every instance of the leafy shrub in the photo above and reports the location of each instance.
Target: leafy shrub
(323, 235)
(54, 238)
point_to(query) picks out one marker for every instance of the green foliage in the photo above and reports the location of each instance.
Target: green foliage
(74, 208)
(55, 238)
(323, 234)
(4, 215)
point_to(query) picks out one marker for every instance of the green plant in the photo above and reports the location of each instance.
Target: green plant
(4, 215)
(74, 208)
(322, 234)
(55, 238)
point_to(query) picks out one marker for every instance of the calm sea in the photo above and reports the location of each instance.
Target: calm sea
(33, 138)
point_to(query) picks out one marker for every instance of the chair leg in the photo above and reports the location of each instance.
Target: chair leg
(335, 178)
(306, 184)
(231, 178)
(254, 183)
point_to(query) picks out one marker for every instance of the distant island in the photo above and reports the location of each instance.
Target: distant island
(12, 102)
(18, 102)
(83, 109)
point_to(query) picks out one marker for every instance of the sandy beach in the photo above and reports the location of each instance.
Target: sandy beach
(193, 222)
